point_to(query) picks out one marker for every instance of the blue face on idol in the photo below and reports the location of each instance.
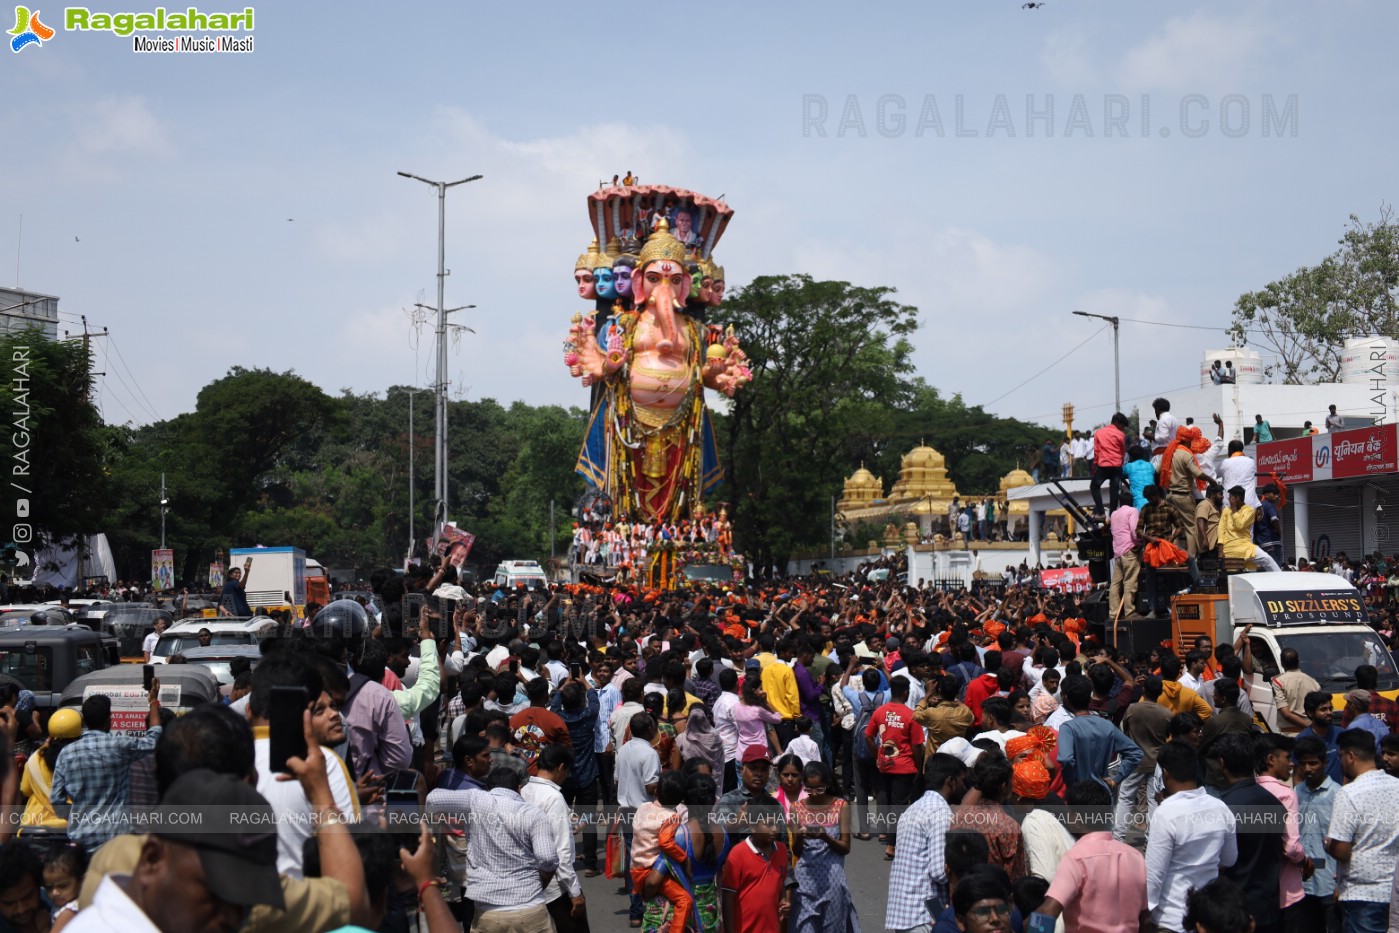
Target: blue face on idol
(606, 285)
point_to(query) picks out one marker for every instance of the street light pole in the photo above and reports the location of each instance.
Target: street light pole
(440, 453)
(1116, 360)
(163, 501)
(411, 394)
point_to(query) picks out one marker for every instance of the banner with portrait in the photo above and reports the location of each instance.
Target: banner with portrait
(162, 569)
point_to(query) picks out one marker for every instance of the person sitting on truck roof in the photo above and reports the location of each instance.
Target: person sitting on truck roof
(1236, 532)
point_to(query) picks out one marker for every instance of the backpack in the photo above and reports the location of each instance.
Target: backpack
(862, 719)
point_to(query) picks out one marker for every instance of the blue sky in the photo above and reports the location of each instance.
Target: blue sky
(177, 174)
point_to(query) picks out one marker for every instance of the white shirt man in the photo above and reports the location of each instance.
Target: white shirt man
(726, 725)
(915, 689)
(1166, 427)
(638, 767)
(1240, 470)
(621, 721)
(1192, 835)
(288, 800)
(546, 795)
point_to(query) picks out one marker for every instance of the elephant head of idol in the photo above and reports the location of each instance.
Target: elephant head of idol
(662, 283)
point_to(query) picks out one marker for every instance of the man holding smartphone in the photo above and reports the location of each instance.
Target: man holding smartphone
(284, 669)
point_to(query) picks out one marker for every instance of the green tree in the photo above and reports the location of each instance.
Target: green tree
(56, 455)
(1304, 318)
(239, 450)
(979, 447)
(830, 362)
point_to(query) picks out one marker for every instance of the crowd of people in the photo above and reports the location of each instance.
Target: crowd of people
(471, 753)
(722, 753)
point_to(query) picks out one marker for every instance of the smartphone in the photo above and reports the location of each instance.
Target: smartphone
(286, 710)
(575, 671)
(937, 906)
(148, 676)
(1039, 923)
(401, 786)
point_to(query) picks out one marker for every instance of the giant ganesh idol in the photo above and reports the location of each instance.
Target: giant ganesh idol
(649, 352)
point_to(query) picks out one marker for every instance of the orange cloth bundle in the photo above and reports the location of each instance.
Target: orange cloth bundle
(1164, 554)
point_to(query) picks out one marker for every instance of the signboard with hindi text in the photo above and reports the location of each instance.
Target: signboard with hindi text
(1365, 451)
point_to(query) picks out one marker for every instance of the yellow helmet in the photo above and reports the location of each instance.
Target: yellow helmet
(66, 724)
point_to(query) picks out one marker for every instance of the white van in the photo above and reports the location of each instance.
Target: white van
(1320, 615)
(510, 573)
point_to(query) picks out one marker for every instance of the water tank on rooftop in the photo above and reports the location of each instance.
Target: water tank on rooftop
(1372, 362)
(1248, 365)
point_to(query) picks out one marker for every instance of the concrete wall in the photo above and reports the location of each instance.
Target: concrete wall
(928, 563)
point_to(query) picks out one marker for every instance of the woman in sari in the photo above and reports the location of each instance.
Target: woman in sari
(699, 740)
(664, 743)
(703, 846)
(36, 781)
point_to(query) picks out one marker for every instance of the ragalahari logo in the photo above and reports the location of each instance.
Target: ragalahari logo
(28, 30)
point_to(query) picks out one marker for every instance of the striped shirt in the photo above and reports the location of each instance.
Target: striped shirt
(920, 867)
(508, 843)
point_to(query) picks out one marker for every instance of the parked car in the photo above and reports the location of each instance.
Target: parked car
(47, 658)
(130, 623)
(184, 635)
(22, 613)
(219, 660)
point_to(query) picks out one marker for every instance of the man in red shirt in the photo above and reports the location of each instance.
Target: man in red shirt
(897, 743)
(536, 725)
(1109, 454)
(1367, 677)
(985, 686)
(754, 884)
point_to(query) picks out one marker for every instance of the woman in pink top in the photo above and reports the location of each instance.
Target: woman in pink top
(753, 715)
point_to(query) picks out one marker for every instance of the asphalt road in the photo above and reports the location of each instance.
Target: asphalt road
(865, 868)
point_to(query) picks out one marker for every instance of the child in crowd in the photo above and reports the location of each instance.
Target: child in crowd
(64, 868)
(803, 746)
(655, 853)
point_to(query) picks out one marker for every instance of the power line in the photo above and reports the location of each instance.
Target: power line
(1049, 367)
(122, 360)
(136, 402)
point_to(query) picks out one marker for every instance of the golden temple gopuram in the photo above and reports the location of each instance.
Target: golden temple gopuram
(923, 491)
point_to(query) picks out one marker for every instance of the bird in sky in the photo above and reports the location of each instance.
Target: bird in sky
(1031, 6)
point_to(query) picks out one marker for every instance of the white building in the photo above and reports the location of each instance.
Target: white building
(20, 309)
(1368, 394)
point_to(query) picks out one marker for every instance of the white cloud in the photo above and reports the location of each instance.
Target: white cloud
(1065, 58)
(1202, 52)
(121, 125)
(109, 130)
